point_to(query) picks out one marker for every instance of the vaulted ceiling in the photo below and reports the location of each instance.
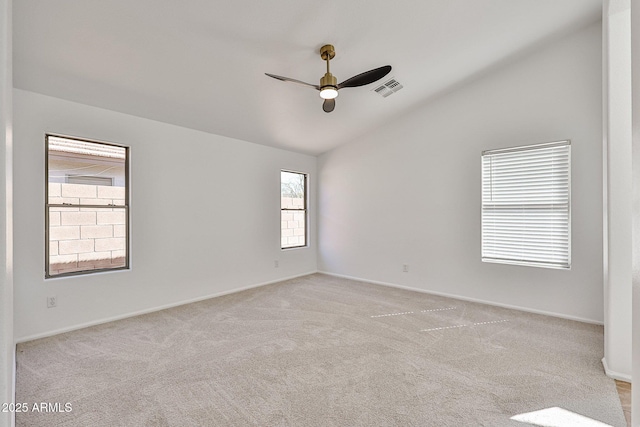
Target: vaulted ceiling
(201, 63)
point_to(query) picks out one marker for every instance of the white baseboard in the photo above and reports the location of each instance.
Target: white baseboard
(613, 374)
(463, 298)
(154, 309)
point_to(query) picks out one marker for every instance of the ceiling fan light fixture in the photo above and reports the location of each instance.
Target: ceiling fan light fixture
(328, 85)
(329, 92)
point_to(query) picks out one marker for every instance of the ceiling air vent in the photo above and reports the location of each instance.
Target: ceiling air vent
(388, 87)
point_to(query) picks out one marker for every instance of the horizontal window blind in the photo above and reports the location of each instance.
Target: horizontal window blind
(526, 205)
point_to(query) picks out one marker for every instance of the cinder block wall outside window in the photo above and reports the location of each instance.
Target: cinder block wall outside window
(86, 238)
(293, 222)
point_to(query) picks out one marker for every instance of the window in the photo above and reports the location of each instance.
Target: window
(87, 206)
(293, 209)
(526, 205)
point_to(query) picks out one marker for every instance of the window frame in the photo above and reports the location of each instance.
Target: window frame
(304, 209)
(524, 262)
(48, 205)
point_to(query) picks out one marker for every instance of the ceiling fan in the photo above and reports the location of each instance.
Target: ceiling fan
(329, 86)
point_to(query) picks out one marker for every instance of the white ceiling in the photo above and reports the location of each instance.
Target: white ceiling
(201, 63)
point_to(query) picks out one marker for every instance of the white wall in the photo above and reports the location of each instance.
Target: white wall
(635, 67)
(617, 188)
(215, 199)
(7, 352)
(417, 185)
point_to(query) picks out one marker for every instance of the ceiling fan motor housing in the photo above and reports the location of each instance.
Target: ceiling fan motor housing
(328, 80)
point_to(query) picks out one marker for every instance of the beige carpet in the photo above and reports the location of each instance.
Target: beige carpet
(319, 351)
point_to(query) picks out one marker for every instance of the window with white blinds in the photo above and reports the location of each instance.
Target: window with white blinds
(526, 205)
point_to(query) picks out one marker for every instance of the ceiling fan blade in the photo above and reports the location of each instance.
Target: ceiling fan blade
(287, 79)
(328, 105)
(366, 77)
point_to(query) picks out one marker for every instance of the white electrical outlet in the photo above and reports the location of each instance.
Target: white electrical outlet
(405, 268)
(52, 301)
(276, 263)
